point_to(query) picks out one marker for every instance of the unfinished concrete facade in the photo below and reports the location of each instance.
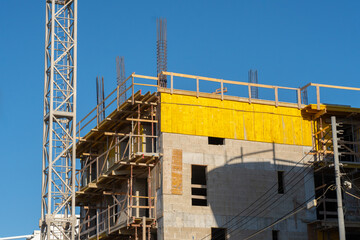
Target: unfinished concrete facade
(180, 164)
(243, 156)
(237, 173)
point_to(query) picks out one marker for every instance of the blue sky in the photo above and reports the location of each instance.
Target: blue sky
(290, 43)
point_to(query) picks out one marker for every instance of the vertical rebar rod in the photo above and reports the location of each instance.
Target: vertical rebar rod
(161, 50)
(100, 96)
(256, 89)
(103, 98)
(253, 78)
(121, 77)
(304, 95)
(97, 101)
(337, 179)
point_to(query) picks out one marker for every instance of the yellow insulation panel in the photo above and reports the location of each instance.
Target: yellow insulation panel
(232, 119)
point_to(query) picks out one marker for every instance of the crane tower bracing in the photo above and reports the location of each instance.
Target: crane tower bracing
(58, 218)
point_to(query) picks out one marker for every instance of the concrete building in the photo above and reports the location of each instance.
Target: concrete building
(211, 162)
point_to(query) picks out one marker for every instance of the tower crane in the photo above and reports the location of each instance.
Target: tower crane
(58, 218)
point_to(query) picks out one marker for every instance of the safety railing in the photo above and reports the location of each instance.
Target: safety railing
(198, 86)
(114, 100)
(121, 214)
(104, 221)
(222, 89)
(140, 206)
(120, 151)
(318, 88)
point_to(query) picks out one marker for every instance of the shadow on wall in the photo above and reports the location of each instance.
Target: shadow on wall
(249, 193)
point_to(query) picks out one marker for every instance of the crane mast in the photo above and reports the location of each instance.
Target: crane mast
(58, 218)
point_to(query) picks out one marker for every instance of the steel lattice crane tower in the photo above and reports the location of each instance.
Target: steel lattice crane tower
(58, 218)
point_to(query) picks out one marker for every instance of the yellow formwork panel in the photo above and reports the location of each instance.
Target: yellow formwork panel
(233, 119)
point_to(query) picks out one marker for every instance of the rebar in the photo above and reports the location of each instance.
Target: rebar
(161, 47)
(253, 78)
(100, 96)
(121, 77)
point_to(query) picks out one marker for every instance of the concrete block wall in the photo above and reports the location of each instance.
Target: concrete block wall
(237, 174)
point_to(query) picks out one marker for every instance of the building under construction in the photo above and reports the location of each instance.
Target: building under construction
(197, 164)
(178, 156)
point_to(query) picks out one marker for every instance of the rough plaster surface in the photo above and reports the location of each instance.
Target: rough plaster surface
(237, 174)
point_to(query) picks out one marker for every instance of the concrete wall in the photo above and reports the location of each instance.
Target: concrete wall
(237, 174)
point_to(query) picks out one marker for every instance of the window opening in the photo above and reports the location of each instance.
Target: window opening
(216, 141)
(280, 176)
(198, 185)
(218, 233)
(275, 234)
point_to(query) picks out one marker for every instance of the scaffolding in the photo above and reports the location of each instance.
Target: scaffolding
(348, 126)
(116, 185)
(121, 149)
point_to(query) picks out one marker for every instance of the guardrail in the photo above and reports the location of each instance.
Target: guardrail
(92, 169)
(113, 100)
(222, 82)
(318, 86)
(113, 217)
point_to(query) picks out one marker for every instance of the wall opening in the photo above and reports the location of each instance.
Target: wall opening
(218, 233)
(198, 185)
(275, 234)
(216, 141)
(280, 176)
(328, 207)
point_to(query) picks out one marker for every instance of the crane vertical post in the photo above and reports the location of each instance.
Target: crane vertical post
(58, 218)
